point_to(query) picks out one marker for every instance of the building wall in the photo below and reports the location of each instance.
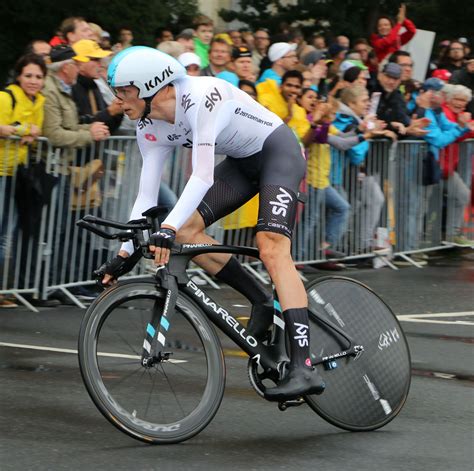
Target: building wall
(211, 8)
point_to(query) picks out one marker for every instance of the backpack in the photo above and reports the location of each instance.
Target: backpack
(12, 96)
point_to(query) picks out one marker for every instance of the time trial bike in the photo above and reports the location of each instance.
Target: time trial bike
(153, 364)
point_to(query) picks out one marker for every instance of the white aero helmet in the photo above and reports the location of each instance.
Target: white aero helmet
(145, 68)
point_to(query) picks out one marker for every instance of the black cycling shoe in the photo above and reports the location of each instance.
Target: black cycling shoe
(261, 319)
(299, 381)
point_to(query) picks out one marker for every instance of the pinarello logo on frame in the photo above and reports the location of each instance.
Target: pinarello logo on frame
(150, 137)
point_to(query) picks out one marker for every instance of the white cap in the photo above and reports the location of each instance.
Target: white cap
(189, 58)
(278, 50)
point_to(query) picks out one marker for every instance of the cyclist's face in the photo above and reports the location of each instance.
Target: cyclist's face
(131, 105)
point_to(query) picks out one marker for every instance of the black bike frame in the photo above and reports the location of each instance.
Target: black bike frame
(267, 356)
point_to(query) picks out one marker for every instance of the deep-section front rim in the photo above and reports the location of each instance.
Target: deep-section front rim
(125, 420)
(371, 382)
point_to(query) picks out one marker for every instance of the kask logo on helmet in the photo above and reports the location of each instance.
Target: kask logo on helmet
(157, 80)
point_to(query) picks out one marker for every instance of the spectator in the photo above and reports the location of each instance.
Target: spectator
(388, 39)
(318, 69)
(467, 47)
(457, 99)
(262, 43)
(440, 131)
(74, 29)
(163, 34)
(351, 117)
(355, 76)
(281, 100)
(219, 57)
(61, 121)
(89, 101)
(173, 48)
(236, 37)
(105, 41)
(186, 39)
(391, 107)
(283, 58)
(319, 42)
(191, 62)
(442, 74)
(247, 39)
(96, 32)
(204, 30)
(248, 87)
(40, 47)
(336, 55)
(343, 41)
(62, 128)
(465, 77)
(242, 66)
(320, 191)
(125, 38)
(21, 114)
(453, 58)
(405, 61)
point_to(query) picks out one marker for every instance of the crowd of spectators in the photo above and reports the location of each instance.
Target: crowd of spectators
(335, 93)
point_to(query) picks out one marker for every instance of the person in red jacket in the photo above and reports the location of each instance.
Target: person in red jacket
(388, 39)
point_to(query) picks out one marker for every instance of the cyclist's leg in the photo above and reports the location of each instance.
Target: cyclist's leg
(283, 167)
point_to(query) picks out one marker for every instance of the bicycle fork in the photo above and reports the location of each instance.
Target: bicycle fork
(157, 328)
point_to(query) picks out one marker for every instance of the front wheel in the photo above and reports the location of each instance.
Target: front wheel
(169, 401)
(366, 392)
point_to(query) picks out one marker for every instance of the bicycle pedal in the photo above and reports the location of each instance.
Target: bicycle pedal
(291, 403)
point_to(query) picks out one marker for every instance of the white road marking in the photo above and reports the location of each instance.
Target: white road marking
(74, 352)
(429, 318)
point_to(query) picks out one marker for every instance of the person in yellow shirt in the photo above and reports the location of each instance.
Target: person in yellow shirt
(21, 115)
(21, 112)
(281, 100)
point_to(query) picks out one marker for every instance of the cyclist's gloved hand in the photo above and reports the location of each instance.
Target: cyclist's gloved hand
(113, 269)
(163, 239)
(160, 244)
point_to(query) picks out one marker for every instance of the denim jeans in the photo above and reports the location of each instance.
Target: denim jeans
(336, 213)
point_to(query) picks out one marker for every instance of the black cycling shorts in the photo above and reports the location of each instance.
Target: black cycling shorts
(275, 172)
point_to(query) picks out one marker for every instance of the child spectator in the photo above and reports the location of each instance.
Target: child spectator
(204, 30)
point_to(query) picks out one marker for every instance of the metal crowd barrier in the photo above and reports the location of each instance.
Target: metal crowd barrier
(388, 211)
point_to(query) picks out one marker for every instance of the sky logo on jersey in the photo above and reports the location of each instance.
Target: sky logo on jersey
(280, 207)
(150, 137)
(143, 123)
(212, 99)
(154, 82)
(186, 102)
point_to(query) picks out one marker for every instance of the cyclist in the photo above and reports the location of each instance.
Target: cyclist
(263, 156)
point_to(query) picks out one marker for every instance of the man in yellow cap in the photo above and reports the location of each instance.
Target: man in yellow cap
(90, 103)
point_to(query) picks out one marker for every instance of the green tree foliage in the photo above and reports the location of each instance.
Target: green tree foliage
(24, 20)
(448, 18)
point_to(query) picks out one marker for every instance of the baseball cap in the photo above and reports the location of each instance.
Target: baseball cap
(434, 84)
(187, 33)
(89, 48)
(189, 58)
(238, 52)
(278, 50)
(313, 57)
(64, 52)
(442, 74)
(334, 49)
(348, 64)
(392, 70)
(463, 40)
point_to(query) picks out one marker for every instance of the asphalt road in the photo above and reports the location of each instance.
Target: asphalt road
(48, 422)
